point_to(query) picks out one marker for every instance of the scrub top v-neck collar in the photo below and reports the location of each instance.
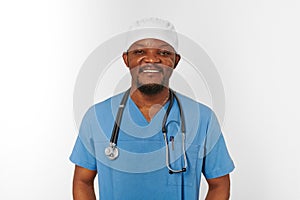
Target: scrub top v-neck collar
(134, 123)
(140, 118)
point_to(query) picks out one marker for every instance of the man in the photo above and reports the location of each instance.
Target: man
(159, 156)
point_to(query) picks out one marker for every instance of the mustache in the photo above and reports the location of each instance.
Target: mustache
(150, 66)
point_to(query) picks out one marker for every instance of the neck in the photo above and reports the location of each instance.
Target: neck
(149, 105)
(142, 99)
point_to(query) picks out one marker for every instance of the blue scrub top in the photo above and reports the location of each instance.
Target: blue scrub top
(140, 171)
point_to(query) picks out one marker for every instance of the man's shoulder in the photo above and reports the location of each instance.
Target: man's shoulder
(108, 101)
(106, 105)
(191, 102)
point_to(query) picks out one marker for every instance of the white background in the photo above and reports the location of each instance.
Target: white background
(253, 43)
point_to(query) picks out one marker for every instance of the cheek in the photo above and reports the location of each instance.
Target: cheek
(168, 72)
(133, 71)
(134, 61)
(169, 62)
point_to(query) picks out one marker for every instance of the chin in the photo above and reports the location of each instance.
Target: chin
(151, 89)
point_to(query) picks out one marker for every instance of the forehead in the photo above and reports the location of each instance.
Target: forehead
(151, 43)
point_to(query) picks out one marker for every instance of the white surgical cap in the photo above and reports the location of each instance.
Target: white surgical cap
(152, 28)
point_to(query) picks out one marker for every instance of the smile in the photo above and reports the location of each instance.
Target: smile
(151, 71)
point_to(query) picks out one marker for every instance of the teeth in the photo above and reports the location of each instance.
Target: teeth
(150, 71)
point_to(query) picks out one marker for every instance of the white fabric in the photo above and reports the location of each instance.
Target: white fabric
(152, 28)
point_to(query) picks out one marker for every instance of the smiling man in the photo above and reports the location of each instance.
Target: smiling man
(151, 63)
(161, 142)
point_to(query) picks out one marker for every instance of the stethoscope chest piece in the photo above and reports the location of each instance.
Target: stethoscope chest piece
(111, 152)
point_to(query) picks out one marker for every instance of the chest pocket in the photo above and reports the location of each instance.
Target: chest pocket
(187, 178)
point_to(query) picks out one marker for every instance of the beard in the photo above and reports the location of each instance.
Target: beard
(151, 89)
(155, 87)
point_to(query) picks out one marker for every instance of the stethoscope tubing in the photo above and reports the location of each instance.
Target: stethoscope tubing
(116, 129)
(112, 151)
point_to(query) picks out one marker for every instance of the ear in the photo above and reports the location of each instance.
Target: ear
(177, 59)
(125, 58)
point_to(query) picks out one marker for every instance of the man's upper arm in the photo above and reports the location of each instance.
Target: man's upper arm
(84, 175)
(219, 181)
(219, 188)
(83, 184)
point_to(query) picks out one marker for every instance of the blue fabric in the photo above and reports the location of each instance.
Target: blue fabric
(140, 171)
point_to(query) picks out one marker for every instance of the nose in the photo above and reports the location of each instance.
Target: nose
(152, 57)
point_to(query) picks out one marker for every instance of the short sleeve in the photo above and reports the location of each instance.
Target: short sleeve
(83, 151)
(81, 157)
(217, 161)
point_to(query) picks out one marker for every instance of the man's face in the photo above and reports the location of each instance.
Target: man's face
(151, 63)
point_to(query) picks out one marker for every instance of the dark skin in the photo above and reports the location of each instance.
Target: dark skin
(83, 184)
(150, 61)
(159, 57)
(218, 188)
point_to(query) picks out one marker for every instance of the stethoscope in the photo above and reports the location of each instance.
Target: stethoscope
(112, 151)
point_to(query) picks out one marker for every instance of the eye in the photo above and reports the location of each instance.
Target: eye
(138, 52)
(164, 53)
